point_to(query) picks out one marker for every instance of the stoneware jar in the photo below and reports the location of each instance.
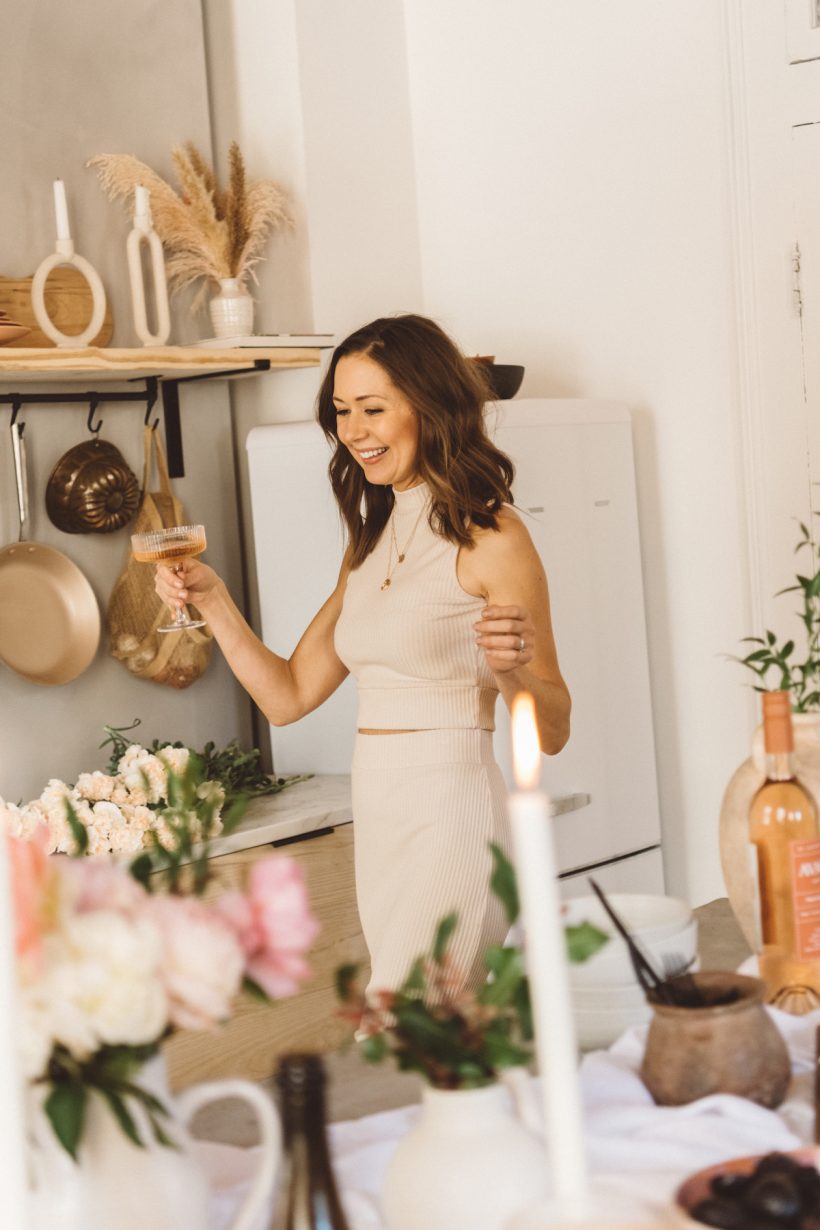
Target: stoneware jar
(723, 1047)
(734, 814)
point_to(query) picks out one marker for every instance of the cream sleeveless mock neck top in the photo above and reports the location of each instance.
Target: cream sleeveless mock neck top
(411, 647)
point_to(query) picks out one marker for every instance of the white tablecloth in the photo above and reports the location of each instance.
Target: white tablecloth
(635, 1147)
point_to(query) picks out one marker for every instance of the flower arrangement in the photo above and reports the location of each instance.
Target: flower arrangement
(211, 232)
(456, 1038)
(112, 959)
(800, 677)
(129, 806)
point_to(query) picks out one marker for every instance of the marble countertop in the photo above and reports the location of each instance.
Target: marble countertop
(320, 802)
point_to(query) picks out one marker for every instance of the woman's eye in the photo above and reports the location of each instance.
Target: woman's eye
(340, 413)
(373, 409)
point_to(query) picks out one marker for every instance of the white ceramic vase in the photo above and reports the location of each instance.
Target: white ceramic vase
(470, 1161)
(231, 310)
(734, 814)
(114, 1183)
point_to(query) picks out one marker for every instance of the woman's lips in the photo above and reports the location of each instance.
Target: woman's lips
(368, 457)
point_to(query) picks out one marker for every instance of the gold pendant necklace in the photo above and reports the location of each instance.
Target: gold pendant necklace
(400, 555)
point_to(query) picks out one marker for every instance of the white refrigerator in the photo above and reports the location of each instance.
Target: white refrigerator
(575, 489)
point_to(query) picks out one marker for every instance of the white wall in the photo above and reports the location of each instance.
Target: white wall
(570, 224)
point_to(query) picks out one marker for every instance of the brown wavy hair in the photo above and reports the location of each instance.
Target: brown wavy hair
(469, 478)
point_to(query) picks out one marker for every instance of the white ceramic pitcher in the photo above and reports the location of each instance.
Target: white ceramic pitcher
(474, 1158)
(116, 1184)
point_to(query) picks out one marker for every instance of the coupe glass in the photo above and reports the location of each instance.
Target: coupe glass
(171, 546)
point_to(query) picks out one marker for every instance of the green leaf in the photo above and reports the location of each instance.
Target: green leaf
(254, 990)
(503, 883)
(160, 1135)
(234, 813)
(65, 1107)
(374, 1049)
(78, 830)
(501, 989)
(141, 868)
(345, 981)
(444, 931)
(123, 1116)
(415, 982)
(583, 941)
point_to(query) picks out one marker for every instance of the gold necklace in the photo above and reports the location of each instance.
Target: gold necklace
(400, 555)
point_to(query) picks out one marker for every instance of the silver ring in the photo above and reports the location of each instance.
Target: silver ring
(521, 645)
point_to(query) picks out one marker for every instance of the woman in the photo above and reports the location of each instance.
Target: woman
(441, 604)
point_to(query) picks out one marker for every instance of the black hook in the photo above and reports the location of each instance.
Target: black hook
(16, 407)
(151, 391)
(93, 402)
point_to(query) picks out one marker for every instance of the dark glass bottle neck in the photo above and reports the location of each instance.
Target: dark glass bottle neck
(303, 1111)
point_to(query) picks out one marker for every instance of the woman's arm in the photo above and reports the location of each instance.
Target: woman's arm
(504, 568)
(284, 689)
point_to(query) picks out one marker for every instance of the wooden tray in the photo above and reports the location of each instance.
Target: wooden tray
(68, 300)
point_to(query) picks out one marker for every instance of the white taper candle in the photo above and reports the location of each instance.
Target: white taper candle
(546, 962)
(61, 210)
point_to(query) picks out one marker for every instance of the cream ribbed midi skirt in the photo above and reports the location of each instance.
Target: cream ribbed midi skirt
(426, 805)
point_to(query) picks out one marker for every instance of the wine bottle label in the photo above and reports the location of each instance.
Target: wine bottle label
(754, 880)
(805, 876)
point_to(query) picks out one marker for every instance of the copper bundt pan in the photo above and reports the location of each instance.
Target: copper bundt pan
(92, 490)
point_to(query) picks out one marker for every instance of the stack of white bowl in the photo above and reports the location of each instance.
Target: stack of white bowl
(606, 996)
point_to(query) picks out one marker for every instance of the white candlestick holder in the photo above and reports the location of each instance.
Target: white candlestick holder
(64, 254)
(144, 233)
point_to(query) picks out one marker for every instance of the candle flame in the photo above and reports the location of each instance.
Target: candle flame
(526, 748)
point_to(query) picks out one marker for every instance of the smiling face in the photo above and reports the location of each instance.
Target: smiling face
(375, 422)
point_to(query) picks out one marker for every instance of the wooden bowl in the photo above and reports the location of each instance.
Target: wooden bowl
(698, 1186)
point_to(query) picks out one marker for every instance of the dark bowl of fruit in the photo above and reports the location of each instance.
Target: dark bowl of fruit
(776, 1191)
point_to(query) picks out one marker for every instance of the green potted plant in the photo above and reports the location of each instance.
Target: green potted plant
(474, 1157)
(777, 664)
(782, 664)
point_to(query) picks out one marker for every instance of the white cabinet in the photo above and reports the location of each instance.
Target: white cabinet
(575, 488)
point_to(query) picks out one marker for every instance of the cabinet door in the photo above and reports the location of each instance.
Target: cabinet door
(252, 1040)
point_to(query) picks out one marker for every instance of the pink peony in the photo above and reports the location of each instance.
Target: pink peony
(274, 925)
(30, 873)
(101, 885)
(202, 961)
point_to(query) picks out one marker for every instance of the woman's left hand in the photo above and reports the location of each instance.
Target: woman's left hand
(507, 636)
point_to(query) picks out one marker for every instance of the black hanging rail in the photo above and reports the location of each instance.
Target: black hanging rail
(168, 387)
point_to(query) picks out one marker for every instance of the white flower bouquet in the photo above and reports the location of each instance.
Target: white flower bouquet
(125, 809)
(112, 958)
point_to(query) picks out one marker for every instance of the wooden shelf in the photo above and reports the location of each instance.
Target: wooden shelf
(161, 368)
(20, 365)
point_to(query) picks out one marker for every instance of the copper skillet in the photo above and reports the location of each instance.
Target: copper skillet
(49, 617)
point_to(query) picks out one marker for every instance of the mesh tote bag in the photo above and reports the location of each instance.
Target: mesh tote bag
(135, 612)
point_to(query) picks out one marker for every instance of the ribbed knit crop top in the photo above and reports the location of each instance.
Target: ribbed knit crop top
(411, 646)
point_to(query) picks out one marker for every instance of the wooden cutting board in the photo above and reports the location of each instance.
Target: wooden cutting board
(68, 300)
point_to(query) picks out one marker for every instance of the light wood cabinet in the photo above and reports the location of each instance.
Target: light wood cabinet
(250, 1043)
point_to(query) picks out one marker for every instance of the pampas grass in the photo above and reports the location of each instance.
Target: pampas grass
(209, 232)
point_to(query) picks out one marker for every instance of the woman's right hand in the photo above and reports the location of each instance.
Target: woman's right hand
(190, 581)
